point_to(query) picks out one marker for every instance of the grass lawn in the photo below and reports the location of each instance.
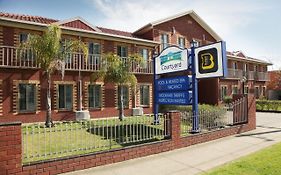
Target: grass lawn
(264, 162)
(75, 138)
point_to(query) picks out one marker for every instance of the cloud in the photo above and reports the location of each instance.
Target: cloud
(230, 19)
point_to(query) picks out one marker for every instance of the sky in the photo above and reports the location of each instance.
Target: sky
(251, 26)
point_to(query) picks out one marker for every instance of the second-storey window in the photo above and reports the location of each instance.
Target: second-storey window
(181, 42)
(94, 53)
(27, 54)
(65, 96)
(122, 51)
(23, 37)
(144, 95)
(144, 54)
(164, 41)
(125, 90)
(27, 97)
(94, 92)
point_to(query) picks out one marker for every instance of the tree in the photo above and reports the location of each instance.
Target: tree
(275, 80)
(50, 53)
(115, 69)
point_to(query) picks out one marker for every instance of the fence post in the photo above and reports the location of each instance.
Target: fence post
(173, 125)
(251, 111)
(10, 148)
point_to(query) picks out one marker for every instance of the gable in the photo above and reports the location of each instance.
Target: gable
(78, 25)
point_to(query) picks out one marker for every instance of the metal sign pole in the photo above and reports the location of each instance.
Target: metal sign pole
(155, 105)
(195, 117)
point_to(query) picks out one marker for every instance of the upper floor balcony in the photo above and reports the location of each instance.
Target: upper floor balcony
(10, 58)
(250, 75)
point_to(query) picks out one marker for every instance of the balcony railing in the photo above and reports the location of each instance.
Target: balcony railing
(250, 75)
(234, 74)
(11, 58)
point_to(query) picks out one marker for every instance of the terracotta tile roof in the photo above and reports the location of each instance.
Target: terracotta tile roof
(29, 18)
(43, 20)
(116, 32)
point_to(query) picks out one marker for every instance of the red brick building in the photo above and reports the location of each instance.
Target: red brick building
(23, 86)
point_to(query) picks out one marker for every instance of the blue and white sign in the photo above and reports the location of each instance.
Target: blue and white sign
(172, 59)
(174, 98)
(179, 83)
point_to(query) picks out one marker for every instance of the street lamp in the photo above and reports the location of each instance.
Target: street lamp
(243, 80)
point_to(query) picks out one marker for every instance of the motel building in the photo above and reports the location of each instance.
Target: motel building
(23, 86)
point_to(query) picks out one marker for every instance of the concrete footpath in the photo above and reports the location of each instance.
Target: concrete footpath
(199, 158)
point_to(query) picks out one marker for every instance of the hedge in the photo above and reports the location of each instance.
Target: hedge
(268, 105)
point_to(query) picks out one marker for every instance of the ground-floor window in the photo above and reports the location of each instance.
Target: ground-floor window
(257, 91)
(65, 96)
(223, 92)
(144, 95)
(234, 89)
(27, 97)
(94, 95)
(125, 90)
(246, 89)
(264, 91)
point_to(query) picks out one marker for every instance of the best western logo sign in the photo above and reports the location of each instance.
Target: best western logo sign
(210, 61)
(172, 59)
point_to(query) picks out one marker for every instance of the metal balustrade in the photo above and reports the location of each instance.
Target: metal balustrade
(232, 114)
(81, 137)
(250, 75)
(10, 57)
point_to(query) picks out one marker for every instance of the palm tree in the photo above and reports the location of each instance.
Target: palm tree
(115, 69)
(50, 53)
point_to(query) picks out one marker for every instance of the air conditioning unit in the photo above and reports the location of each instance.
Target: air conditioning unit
(83, 115)
(137, 111)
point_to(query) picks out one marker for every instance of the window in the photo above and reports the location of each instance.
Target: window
(27, 97)
(144, 95)
(23, 37)
(263, 91)
(255, 68)
(94, 53)
(246, 89)
(164, 41)
(234, 89)
(122, 51)
(144, 54)
(94, 93)
(65, 96)
(181, 42)
(257, 92)
(65, 43)
(234, 65)
(223, 92)
(125, 90)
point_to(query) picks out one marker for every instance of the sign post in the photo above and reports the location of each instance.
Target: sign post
(195, 117)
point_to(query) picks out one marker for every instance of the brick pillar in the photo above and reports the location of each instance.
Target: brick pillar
(251, 111)
(10, 148)
(174, 125)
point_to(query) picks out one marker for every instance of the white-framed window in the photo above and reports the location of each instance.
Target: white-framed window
(27, 97)
(125, 90)
(145, 55)
(223, 91)
(164, 40)
(246, 89)
(257, 91)
(234, 65)
(181, 42)
(144, 95)
(234, 89)
(122, 51)
(65, 96)
(94, 50)
(94, 96)
(264, 91)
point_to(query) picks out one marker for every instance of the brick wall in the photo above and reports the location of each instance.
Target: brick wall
(10, 147)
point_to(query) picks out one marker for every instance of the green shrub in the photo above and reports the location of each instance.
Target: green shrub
(227, 99)
(268, 105)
